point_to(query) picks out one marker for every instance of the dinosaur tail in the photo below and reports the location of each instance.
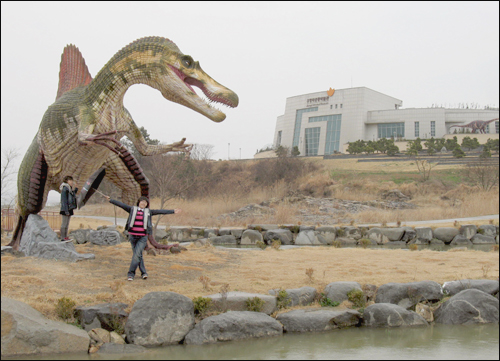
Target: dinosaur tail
(155, 244)
(18, 232)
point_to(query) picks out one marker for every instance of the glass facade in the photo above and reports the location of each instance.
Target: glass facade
(333, 125)
(417, 129)
(496, 127)
(312, 141)
(388, 130)
(298, 123)
(278, 141)
(433, 128)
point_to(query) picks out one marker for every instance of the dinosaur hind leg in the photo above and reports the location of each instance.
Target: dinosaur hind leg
(34, 197)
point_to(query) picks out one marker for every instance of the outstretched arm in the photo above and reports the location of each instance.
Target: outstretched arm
(135, 135)
(165, 211)
(119, 204)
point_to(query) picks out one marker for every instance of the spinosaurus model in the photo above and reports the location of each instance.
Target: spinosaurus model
(80, 132)
(477, 125)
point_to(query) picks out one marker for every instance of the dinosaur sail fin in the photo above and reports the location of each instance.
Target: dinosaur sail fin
(73, 70)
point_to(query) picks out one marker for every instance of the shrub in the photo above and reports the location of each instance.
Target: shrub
(205, 281)
(282, 300)
(326, 302)
(337, 244)
(65, 308)
(276, 244)
(357, 297)
(412, 247)
(260, 244)
(309, 273)
(254, 304)
(201, 305)
(364, 242)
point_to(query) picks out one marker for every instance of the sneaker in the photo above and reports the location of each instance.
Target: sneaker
(130, 279)
(66, 240)
(144, 276)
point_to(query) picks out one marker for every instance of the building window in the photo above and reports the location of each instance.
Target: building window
(334, 122)
(312, 141)
(278, 141)
(331, 106)
(389, 130)
(417, 129)
(335, 106)
(298, 123)
(340, 105)
(433, 128)
(496, 127)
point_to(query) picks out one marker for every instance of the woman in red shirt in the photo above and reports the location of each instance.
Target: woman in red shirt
(139, 226)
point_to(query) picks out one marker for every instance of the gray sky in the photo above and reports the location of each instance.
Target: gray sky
(423, 53)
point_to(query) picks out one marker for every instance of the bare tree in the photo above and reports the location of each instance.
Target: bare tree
(424, 167)
(170, 175)
(202, 151)
(483, 173)
(8, 174)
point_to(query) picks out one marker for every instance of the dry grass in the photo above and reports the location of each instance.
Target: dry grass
(40, 283)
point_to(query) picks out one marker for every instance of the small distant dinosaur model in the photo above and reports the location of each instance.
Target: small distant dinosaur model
(477, 125)
(80, 132)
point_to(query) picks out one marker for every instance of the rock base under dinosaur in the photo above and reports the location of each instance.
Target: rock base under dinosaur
(39, 240)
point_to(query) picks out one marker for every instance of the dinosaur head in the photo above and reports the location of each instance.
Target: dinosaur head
(182, 74)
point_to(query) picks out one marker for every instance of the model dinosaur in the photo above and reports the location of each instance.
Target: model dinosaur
(80, 132)
(476, 125)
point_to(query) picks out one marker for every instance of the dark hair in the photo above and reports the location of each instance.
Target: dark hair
(143, 198)
(67, 178)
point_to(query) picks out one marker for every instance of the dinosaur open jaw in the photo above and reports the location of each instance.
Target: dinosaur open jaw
(188, 81)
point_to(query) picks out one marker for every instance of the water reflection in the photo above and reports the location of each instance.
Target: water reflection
(440, 342)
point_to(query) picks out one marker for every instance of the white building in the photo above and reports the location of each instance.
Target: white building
(325, 122)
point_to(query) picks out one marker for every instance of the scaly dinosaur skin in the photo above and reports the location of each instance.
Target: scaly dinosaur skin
(80, 132)
(477, 125)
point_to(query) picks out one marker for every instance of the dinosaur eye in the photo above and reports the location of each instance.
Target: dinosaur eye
(187, 61)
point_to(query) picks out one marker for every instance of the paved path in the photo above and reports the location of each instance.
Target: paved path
(121, 221)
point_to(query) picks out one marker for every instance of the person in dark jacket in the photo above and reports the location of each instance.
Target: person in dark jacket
(139, 226)
(68, 203)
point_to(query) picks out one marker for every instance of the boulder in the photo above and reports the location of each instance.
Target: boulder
(223, 240)
(489, 230)
(263, 227)
(159, 319)
(317, 320)
(376, 234)
(345, 241)
(424, 311)
(308, 238)
(482, 239)
(237, 232)
(424, 234)
(468, 307)
(212, 232)
(352, 232)
(337, 291)
(445, 234)
(104, 315)
(390, 315)
(282, 235)
(233, 326)
(460, 240)
(237, 301)
(39, 240)
(393, 234)
(178, 234)
(105, 238)
(468, 230)
(328, 233)
(409, 235)
(298, 296)
(453, 287)
(409, 294)
(25, 331)
(80, 236)
(251, 236)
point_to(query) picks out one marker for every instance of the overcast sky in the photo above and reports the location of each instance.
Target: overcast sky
(423, 53)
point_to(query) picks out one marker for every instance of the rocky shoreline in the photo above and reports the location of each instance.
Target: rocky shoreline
(166, 318)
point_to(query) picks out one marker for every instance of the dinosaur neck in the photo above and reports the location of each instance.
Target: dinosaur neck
(108, 88)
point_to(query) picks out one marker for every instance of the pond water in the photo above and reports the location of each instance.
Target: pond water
(438, 342)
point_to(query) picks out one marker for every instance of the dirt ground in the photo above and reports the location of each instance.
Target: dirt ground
(40, 282)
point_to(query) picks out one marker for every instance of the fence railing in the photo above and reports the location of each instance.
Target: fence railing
(9, 219)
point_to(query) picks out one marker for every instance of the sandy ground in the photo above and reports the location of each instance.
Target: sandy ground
(40, 282)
